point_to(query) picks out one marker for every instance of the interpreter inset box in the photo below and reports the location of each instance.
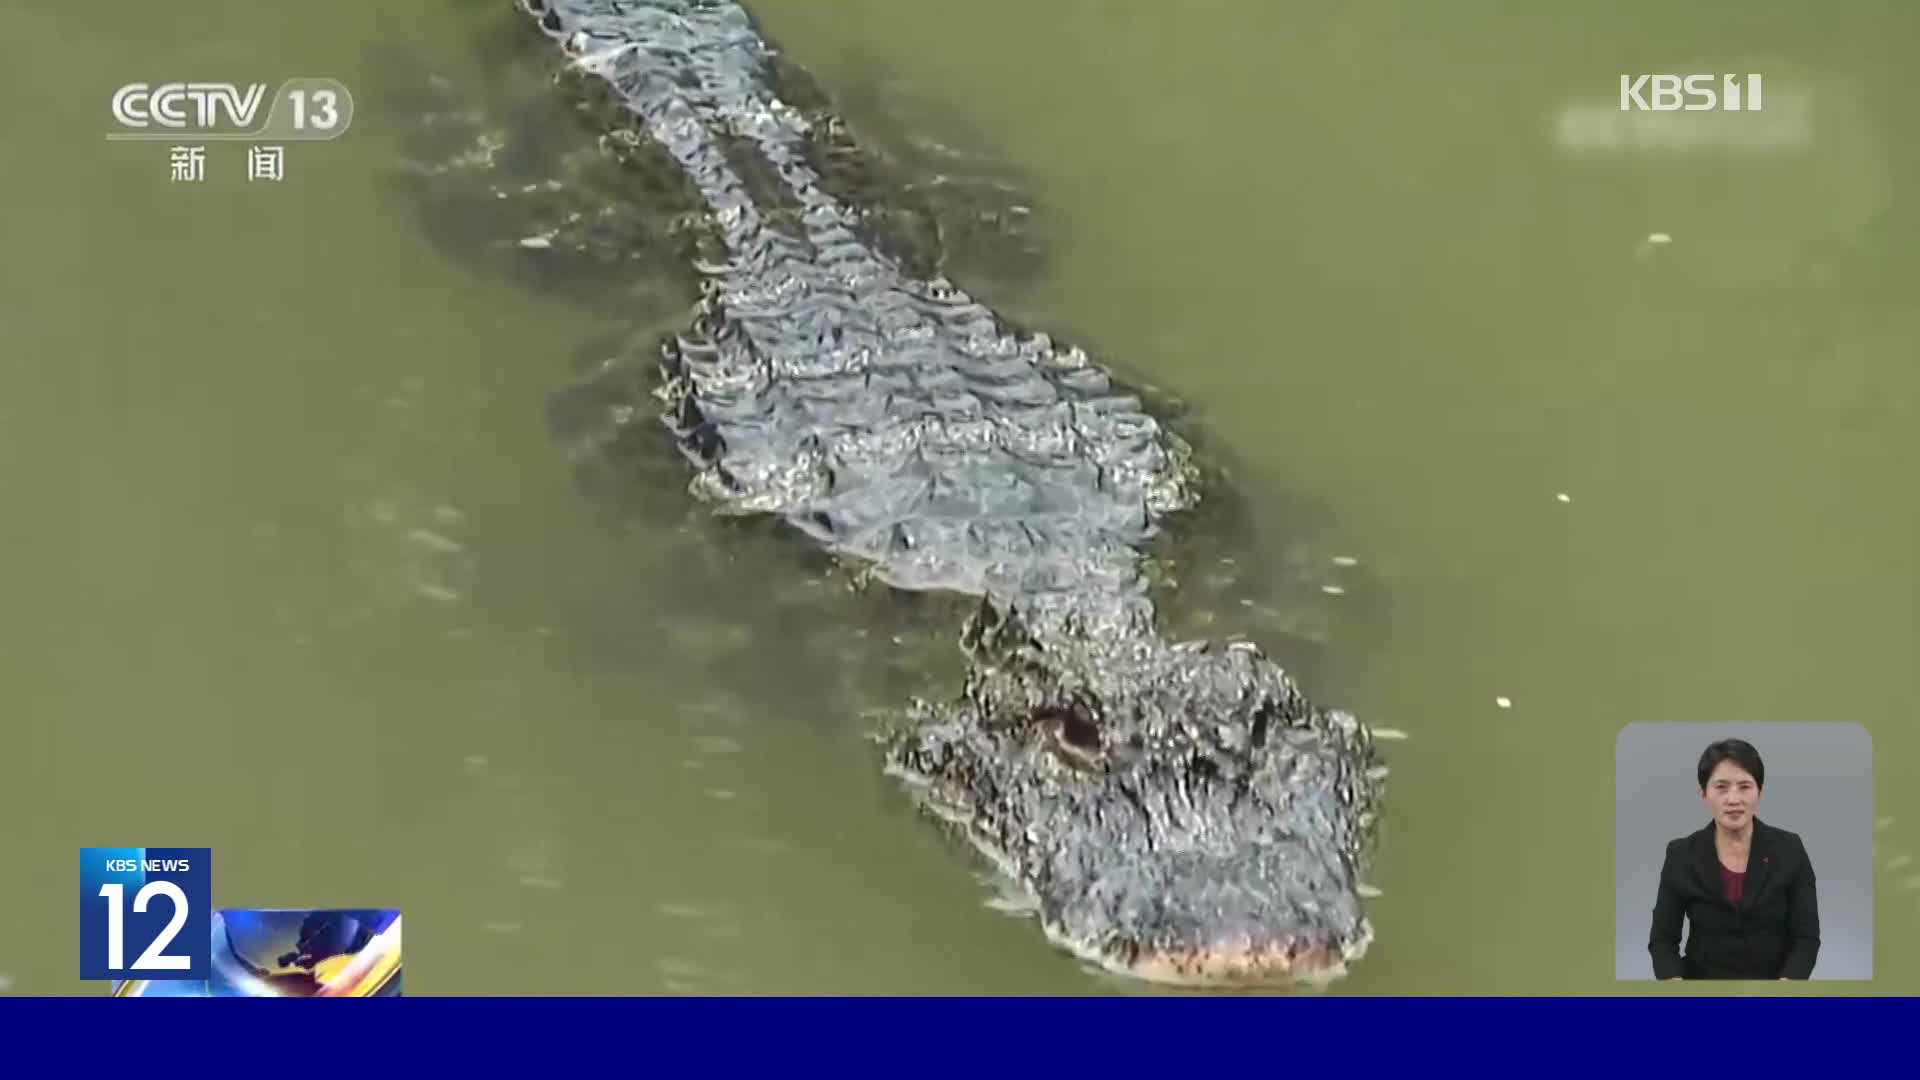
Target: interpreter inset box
(1743, 851)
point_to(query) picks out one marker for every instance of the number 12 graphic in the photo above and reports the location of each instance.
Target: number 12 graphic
(168, 923)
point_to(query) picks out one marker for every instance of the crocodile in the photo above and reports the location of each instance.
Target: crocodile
(1172, 810)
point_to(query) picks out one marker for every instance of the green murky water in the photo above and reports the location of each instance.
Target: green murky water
(291, 569)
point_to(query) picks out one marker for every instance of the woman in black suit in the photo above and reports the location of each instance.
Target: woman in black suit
(1744, 887)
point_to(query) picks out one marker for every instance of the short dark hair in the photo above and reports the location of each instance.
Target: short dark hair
(1738, 751)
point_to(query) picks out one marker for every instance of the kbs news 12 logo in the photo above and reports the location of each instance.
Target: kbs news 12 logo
(301, 109)
(148, 926)
(145, 913)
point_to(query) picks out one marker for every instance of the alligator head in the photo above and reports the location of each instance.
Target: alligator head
(1179, 814)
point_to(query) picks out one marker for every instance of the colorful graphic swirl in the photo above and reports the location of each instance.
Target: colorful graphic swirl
(326, 952)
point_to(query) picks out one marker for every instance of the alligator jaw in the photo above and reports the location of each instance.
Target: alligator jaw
(1272, 960)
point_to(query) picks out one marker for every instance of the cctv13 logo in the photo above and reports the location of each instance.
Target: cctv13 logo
(146, 913)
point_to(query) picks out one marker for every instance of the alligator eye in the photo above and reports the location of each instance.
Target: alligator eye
(1075, 732)
(1078, 731)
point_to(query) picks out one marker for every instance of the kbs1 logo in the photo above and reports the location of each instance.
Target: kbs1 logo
(1691, 93)
(145, 913)
(301, 109)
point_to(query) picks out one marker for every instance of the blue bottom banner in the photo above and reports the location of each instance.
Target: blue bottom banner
(1123, 1036)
